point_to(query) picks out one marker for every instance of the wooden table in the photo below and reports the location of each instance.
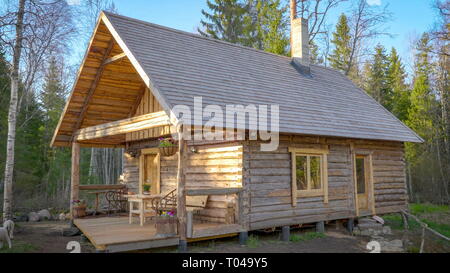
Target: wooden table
(142, 200)
(97, 193)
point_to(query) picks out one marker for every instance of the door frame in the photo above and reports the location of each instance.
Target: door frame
(368, 166)
(144, 152)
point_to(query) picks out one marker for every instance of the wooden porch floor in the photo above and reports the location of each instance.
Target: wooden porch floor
(115, 234)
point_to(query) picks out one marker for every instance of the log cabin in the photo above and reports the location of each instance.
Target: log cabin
(340, 154)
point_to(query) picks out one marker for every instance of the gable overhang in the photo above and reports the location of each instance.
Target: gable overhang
(109, 86)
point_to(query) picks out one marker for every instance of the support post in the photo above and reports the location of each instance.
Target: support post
(189, 224)
(350, 225)
(75, 176)
(243, 237)
(320, 226)
(181, 189)
(285, 233)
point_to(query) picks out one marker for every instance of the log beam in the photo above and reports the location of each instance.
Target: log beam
(114, 59)
(93, 86)
(147, 121)
(75, 175)
(181, 191)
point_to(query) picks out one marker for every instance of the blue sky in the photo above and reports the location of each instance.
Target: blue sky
(410, 17)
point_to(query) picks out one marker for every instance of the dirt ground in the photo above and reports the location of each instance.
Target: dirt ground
(46, 237)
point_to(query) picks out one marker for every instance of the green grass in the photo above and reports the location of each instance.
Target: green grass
(306, 236)
(428, 208)
(253, 241)
(443, 229)
(19, 247)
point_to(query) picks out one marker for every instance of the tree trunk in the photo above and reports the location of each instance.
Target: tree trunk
(12, 115)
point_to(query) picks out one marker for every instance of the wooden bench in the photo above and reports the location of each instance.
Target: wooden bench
(193, 204)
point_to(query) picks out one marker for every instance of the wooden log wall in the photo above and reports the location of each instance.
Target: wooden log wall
(269, 176)
(148, 104)
(218, 165)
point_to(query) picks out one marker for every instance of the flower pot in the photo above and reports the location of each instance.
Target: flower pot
(79, 211)
(166, 225)
(168, 150)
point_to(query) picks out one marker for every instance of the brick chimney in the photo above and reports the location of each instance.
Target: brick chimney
(299, 39)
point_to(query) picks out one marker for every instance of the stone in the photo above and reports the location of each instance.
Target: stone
(387, 230)
(62, 217)
(44, 215)
(20, 218)
(33, 217)
(392, 246)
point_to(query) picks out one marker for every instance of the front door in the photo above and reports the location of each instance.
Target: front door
(151, 173)
(362, 184)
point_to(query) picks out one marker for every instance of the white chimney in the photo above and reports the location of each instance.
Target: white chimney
(299, 38)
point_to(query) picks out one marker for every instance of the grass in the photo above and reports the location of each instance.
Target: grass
(306, 236)
(428, 208)
(253, 241)
(19, 247)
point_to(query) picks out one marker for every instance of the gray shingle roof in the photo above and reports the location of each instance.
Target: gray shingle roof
(182, 65)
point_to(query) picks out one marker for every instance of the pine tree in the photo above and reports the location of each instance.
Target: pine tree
(377, 84)
(229, 21)
(397, 85)
(340, 56)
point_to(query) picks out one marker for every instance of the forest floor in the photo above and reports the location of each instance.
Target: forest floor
(46, 237)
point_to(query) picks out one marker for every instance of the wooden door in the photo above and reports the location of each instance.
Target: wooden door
(362, 181)
(151, 172)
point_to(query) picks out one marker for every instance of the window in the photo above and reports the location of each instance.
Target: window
(360, 175)
(309, 173)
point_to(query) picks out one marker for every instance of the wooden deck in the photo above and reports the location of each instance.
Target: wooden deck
(115, 234)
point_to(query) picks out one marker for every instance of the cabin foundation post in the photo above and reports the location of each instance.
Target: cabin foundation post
(320, 227)
(350, 225)
(181, 190)
(285, 233)
(75, 177)
(243, 237)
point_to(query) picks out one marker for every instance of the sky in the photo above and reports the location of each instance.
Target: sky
(410, 17)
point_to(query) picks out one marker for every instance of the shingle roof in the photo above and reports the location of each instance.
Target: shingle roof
(182, 65)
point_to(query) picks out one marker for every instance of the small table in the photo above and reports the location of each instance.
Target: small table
(97, 193)
(142, 200)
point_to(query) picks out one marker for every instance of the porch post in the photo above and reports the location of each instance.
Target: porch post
(75, 175)
(181, 190)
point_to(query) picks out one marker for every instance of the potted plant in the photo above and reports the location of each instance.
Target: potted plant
(79, 208)
(167, 146)
(166, 224)
(146, 189)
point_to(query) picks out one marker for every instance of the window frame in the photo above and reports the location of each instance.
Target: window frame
(308, 152)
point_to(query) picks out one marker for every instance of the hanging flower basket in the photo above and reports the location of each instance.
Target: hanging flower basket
(167, 147)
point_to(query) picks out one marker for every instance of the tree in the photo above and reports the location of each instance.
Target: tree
(340, 56)
(271, 27)
(12, 115)
(377, 84)
(397, 85)
(30, 32)
(229, 21)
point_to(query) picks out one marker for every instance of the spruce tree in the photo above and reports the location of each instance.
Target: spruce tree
(377, 84)
(398, 86)
(340, 56)
(227, 21)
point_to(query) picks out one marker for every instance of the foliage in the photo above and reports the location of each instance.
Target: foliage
(253, 241)
(167, 142)
(19, 247)
(340, 56)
